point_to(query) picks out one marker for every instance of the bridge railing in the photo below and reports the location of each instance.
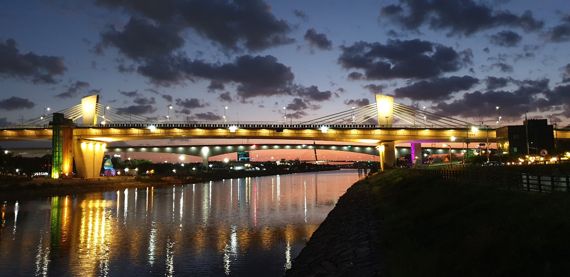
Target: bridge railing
(258, 124)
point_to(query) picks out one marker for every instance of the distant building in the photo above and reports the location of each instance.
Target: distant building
(513, 139)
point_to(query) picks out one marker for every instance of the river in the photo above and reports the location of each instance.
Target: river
(236, 227)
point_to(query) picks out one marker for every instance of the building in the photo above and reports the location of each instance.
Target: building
(535, 134)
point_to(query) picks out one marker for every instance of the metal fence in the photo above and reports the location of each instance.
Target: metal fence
(553, 178)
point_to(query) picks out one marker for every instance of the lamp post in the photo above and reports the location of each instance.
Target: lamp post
(284, 115)
(353, 116)
(168, 115)
(225, 114)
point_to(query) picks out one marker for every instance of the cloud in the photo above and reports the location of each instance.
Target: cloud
(300, 14)
(297, 105)
(297, 114)
(506, 39)
(141, 39)
(4, 122)
(496, 82)
(166, 97)
(191, 103)
(216, 85)
(357, 102)
(463, 17)
(232, 24)
(373, 88)
(137, 110)
(143, 101)
(436, 88)
(16, 103)
(254, 75)
(526, 97)
(317, 40)
(73, 89)
(29, 66)
(503, 67)
(226, 97)
(133, 93)
(312, 93)
(402, 59)
(208, 116)
(566, 73)
(561, 32)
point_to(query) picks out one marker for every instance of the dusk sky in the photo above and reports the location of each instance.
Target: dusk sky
(458, 58)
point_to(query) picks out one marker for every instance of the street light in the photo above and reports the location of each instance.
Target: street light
(169, 108)
(225, 116)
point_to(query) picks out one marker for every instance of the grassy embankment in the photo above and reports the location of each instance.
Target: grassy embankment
(431, 227)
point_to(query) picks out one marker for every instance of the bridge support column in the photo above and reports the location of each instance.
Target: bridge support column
(205, 153)
(89, 157)
(62, 146)
(416, 153)
(387, 153)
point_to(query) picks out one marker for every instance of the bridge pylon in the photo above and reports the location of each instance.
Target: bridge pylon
(385, 109)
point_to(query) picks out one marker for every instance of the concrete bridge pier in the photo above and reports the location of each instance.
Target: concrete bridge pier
(89, 157)
(387, 153)
(416, 153)
(205, 154)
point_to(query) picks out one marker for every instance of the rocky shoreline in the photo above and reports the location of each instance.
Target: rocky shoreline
(343, 245)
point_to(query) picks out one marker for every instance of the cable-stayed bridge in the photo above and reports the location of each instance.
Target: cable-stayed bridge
(81, 133)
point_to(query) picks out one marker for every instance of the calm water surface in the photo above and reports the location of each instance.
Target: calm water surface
(239, 227)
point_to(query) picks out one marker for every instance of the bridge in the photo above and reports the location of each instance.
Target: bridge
(81, 133)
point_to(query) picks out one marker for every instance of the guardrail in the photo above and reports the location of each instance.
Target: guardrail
(555, 178)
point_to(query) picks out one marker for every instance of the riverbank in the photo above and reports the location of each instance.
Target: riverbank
(18, 187)
(405, 223)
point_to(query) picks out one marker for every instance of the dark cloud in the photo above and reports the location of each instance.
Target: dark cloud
(297, 105)
(506, 39)
(73, 89)
(496, 82)
(297, 114)
(254, 75)
(216, 85)
(141, 39)
(300, 14)
(503, 67)
(313, 93)
(436, 88)
(16, 103)
(137, 110)
(318, 40)
(356, 76)
(133, 93)
(232, 24)
(561, 32)
(402, 59)
(226, 97)
(527, 97)
(357, 102)
(566, 73)
(29, 66)
(208, 116)
(144, 101)
(462, 17)
(373, 88)
(190, 103)
(167, 97)
(4, 122)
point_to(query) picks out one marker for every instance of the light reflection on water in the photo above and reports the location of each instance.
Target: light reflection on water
(249, 226)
